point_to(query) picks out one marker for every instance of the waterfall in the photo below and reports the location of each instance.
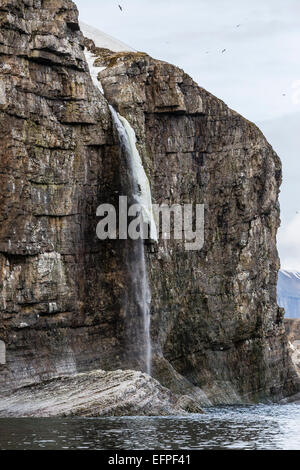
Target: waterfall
(94, 71)
(142, 186)
(141, 194)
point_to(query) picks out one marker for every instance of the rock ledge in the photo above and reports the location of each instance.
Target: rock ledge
(95, 394)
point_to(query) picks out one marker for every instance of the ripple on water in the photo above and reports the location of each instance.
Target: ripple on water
(242, 427)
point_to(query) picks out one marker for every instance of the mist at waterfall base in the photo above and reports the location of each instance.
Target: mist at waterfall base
(267, 427)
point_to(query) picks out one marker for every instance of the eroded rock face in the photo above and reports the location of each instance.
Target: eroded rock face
(61, 289)
(215, 317)
(292, 326)
(217, 332)
(293, 333)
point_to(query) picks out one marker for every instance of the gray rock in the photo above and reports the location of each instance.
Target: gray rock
(94, 394)
(293, 334)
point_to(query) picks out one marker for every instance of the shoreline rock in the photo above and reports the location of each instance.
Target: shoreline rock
(96, 394)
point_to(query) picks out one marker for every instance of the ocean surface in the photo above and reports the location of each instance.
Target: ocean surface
(228, 427)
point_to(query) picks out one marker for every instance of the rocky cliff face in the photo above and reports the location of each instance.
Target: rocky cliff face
(217, 332)
(292, 326)
(61, 289)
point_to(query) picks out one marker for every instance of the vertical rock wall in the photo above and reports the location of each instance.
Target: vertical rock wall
(216, 328)
(61, 290)
(215, 318)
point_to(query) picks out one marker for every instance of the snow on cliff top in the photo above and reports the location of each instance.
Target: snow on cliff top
(104, 40)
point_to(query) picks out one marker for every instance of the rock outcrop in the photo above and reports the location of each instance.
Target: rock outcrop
(292, 326)
(95, 394)
(61, 289)
(217, 332)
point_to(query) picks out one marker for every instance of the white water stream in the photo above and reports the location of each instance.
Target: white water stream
(141, 195)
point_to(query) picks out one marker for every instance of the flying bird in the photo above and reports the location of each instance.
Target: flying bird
(224, 50)
(120, 8)
(238, 25)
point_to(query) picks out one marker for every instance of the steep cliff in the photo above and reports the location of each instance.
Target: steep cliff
(215, 315)
(61, 289)
(217, 332)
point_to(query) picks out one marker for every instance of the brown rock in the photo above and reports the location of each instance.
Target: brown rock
(61, 288)
(215, 317)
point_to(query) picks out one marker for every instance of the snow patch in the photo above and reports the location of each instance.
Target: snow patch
(290, 273)
(94, 71)
(104, 40)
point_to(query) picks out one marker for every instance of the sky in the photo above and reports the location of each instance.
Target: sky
(258, 75)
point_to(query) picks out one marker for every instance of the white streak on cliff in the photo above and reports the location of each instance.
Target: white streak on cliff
(94, 71)
(144, 196)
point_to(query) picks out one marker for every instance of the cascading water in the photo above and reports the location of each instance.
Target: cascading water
(141, 185)
(141, 195)
(138, 184)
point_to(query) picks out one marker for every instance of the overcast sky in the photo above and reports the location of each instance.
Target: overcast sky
(258, 75)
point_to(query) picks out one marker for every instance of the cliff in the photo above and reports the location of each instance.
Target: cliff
(60, 287)
(217, 332)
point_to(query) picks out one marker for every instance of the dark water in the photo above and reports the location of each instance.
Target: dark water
(248, 427)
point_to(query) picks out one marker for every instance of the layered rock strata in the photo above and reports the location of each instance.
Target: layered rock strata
(217, 332)
(95, 394)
